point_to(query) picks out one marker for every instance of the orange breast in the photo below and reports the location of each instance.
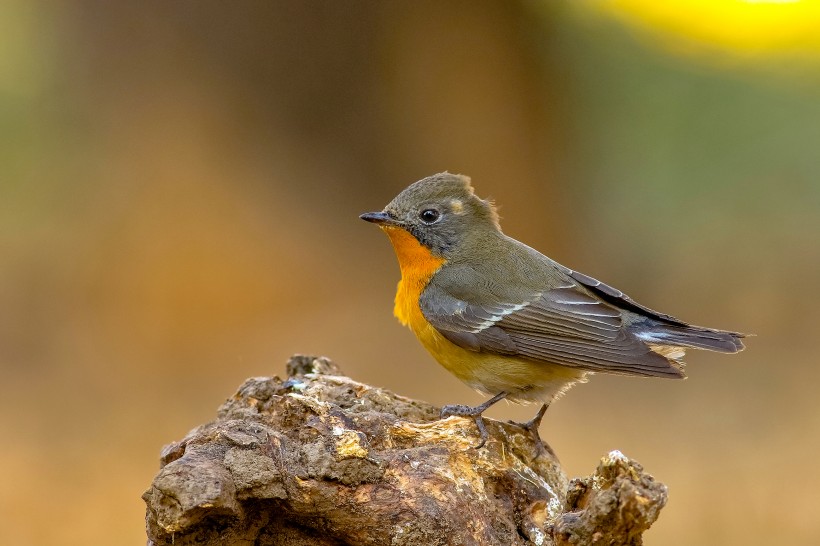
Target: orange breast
(417, 265)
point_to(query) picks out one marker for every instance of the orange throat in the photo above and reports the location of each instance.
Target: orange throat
(417, 266)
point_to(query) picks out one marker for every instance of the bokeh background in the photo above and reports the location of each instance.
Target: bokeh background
(179, 191)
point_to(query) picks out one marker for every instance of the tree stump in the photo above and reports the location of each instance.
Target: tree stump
(319, 459)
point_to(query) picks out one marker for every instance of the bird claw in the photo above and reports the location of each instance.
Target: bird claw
(460, 410)
(474, 412)
(532, 426)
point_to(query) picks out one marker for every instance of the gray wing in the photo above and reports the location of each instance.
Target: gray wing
(662, 329)
(616, 296)
(565, 326)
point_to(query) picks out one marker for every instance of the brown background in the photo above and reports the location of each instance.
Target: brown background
(179, 191)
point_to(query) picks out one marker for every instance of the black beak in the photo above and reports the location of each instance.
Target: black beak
(377, 218)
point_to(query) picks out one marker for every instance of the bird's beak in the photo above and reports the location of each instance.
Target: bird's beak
(381, 218)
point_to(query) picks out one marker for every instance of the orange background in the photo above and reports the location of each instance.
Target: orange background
(179, 192)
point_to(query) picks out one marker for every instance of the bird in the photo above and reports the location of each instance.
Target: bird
(507, 320)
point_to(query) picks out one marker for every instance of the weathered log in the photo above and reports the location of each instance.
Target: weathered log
(319, 459)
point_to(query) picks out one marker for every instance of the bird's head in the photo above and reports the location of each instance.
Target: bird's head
(442, 213)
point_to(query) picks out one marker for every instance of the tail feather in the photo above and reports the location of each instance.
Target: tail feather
(693, 337)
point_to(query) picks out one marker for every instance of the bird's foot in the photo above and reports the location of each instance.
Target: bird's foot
(468, 411)
(461, 410)
(532, 427)
(533, 424)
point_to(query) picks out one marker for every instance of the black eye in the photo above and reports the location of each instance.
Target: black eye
(429, 216)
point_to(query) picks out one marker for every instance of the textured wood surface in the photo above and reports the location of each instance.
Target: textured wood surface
(320, 459)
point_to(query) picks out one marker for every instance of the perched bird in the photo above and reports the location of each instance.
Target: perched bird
(509, 321)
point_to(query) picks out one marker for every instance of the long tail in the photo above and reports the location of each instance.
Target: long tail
(695, 337)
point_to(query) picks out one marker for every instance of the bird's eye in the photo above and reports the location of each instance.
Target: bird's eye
(429, 216)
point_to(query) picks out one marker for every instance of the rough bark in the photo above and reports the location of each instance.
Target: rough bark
(319, 459)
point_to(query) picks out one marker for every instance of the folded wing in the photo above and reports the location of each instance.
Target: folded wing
(565, 325)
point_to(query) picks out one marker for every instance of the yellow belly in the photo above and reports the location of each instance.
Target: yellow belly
(523, 380)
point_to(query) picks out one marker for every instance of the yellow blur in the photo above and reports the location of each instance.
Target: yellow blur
(742, 28)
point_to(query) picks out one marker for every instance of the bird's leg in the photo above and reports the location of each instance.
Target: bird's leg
(532, 426)
(474, 412)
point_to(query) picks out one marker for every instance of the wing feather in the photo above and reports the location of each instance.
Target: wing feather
(565, 326)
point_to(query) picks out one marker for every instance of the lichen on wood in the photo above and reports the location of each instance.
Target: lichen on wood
(320, 459)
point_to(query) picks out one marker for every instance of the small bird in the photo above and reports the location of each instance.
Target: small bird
(509, 321)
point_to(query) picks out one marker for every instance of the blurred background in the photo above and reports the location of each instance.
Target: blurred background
(179, 191)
